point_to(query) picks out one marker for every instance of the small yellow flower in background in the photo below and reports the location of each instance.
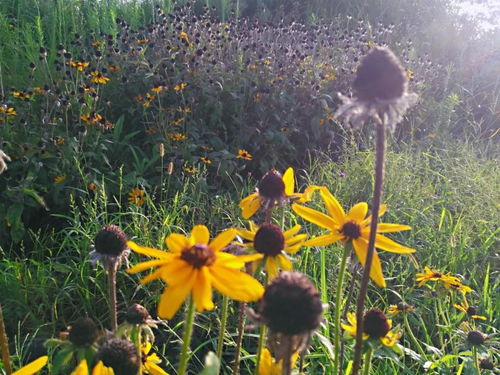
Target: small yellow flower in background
(176, 122)
(176, 136)
(205, 160)
(354, 227)
(59, 179)
(142, 41)
(114, 67)
(244, 154)
(137, 196)
(253, 67)
(409, 73)
(97, 77)
(193, 265)
(92, 187)
(449, 281)
(183, 35)
(9, 111)
(180, 86)
(95, 43)
(157, 89)
(428, 275)
(150, 361)
(32, 367)
(376, 326)
(257, 97)
(269, 240)
(269, 366)
(191, 170)
(184, 110)
(469, 310)
(79, 65)
(454, 283)
(401, 307)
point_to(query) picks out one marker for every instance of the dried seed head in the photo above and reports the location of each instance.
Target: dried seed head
(375, 323)
(269, 240)
(476, 338)
(137, 314)
(380, 76)
(271, 185)
(121, 355)
(83, 332)
(291, 304)
(110, 241)
(486, 364)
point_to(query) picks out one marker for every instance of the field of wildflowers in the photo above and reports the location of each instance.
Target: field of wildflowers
(199, 187)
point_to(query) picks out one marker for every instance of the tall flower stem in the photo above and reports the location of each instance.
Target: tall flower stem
(412, 336)
(111, 268)
(324, 286)
(223, 322)
(475, 359)
(377, 197)
(186, 339)
(287, 361)
(260, 346)
(338, 307)
(368, 362)
(239, 340)
(4, 344)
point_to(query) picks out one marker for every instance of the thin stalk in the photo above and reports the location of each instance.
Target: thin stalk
(112, 294)
(186, 339)
(475, 359)
(239, 340)
(338, 308)
(287, 361)
(260, 346)
(350, 294)
(412, 336)
(223, 323)
(4, 343)
(324, 287)
(368, 362)
(377, 197)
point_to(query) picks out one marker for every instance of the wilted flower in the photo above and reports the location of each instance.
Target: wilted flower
(121, 355)
(110, 246)
(83, 332)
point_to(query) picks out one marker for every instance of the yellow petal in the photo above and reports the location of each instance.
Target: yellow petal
(235, 284)
(382, 210)
(358, 212)
(81, 369)
(146, 347)
(289, 181)
(237, 261)
(177, 242)
(149, 251)
(176, 272)
(100, 369)
(154, 369)
(291, 232)
(332, 205)
(384, 243)
(294, 248)
(271, 267)
(314, 216)
(146, 265)
(173, 296)
(361, 249)
(294, 240)
(266, 362)
(284, 263)
(152, 276)
(222, 240)
(202, 291)
(389, 228)
(324, 240)
(200, 234)
(32, 367)
(306, 196)
(246, 234)
(250, 205)
(390, 339)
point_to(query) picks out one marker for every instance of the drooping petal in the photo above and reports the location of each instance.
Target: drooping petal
(306, 196)
(314, 216)
(271, 267)
(361, 249)
(333, 206)
(154, 369)
(235, 284)
(250, 205)
(32, 367)
(146, 265)
(152, 276)
(289, 181)
(177, 242)
(384, 243)
(200, 234)
(324, 240)
(294, 248)
(358, 212)
(389, 228)
(81, 369)
(291, 232)
(100, 369)
(173, 296)
(149, 251)
(294, 240)
(146, 347)
(202, 290)
(246, 234)
(284, 263)
(222, 240)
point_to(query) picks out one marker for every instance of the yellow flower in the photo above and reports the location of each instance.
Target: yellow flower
(149, 362)
(469, 310)
(449, 281)
(401, 307)
(157, 89)
(376, 326)
(205, 160)
(183, 35)
(191, 170)
(274, 190)
(136, 196)
(354, 227)
(176, 136)
(100, 369)
(32, 367)
(142, 41)
(59, 179)
(193, 265)
(269, 240)
(180, 86)
(97, 77)
(428, 275)
(269, 366)
(244, 154)
(95, 43)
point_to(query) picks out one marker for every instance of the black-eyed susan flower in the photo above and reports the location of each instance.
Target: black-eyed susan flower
(401, 307)
(193, 265)
(176, 137)
(269, 240)
(99, 369)
(269, 366)
(121, 355)
(32, 367)
(205, 160)
(191, 170)
(244, 154)
(454, 283)
(138, 322)
(181, 86)
(355, 228)
(59, 179)
(137, 196)
(274, 190)
(375, 325)
(150, 361)
(79, 65)
(428, 275)
(110, 247)
(448, 281)
(470, 311)
(98, 77)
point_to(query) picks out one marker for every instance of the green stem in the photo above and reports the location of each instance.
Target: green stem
(223, 322)
(368, 362)
(239, 340)
(186, 339)
(4, 344)
(475, 359)
(260, 347)
(112, 294)
(412, 336)
(324, 286)
(338, 307)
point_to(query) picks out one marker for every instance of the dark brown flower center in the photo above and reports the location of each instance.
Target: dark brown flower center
(375, 323)
(351, 230)
(269, 240)
(198, 255)
(471, 311)
(475, 338)
(437, 274)
(272, 185)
